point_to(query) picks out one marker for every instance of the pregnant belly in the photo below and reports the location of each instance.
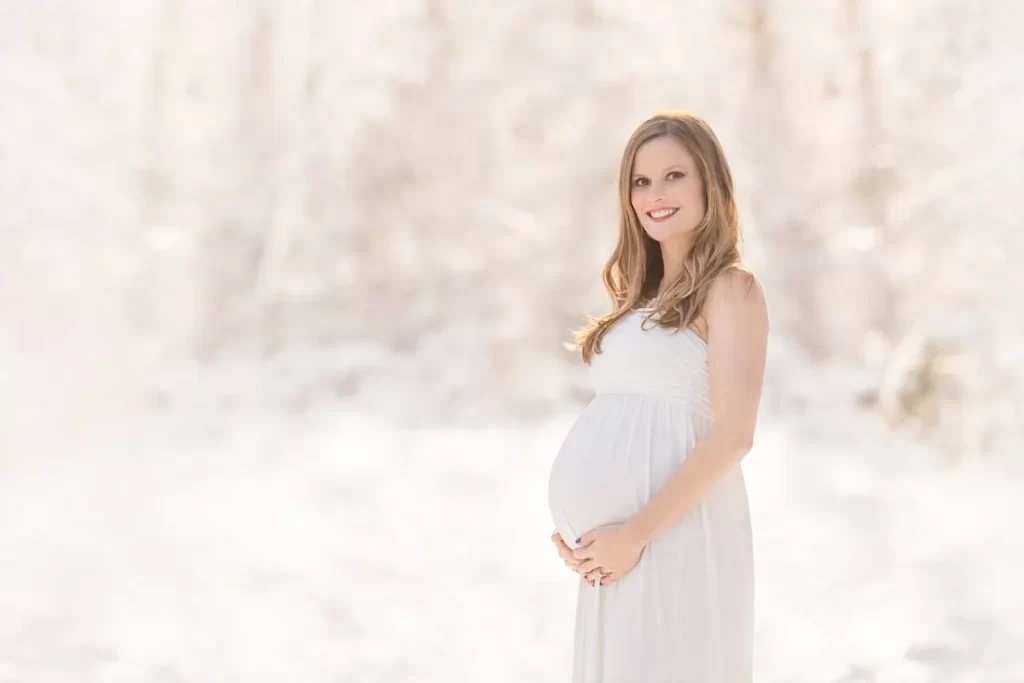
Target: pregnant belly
(618, 453)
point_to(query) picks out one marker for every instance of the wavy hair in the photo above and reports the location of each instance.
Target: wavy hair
(633, 273)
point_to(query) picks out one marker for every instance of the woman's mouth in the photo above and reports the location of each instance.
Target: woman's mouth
(659, 215)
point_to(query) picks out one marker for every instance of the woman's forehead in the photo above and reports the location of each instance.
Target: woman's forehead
(661, 153)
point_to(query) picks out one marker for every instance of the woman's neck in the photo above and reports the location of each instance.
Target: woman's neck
(673, 256)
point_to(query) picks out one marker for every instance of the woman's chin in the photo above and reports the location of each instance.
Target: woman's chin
(664, 233)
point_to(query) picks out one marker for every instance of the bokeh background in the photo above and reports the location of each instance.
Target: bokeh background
(284, 287)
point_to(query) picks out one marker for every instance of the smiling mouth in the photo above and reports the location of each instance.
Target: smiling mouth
(662, 214)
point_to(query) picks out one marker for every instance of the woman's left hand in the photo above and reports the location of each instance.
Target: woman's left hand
(608, 553)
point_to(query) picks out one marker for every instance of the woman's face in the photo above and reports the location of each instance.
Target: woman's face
(666, 188)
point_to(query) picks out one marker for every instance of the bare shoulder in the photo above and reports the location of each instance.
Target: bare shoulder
(736, 282)
(736, 298)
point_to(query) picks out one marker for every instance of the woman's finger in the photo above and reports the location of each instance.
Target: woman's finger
(583, 553)
(562, 546)
(585, 541)
(563, 550)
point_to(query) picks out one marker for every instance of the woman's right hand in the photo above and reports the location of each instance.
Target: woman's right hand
(565, 552)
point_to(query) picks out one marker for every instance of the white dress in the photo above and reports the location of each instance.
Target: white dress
(684, 614)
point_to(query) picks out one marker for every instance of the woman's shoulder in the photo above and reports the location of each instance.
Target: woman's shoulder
(735, 278)
(737, 290)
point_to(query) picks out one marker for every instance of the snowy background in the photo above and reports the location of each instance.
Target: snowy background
(283, 288)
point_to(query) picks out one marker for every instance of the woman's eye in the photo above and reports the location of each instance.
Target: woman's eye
(676, 174)
(640, 182)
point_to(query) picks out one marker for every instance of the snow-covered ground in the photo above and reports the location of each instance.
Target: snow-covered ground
(341, 546)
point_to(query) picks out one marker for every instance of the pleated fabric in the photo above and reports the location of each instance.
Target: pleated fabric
(684, 614)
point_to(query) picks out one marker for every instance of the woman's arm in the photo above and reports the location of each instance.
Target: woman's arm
(737, 317)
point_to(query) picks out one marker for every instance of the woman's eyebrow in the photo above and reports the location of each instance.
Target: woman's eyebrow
(670, 168)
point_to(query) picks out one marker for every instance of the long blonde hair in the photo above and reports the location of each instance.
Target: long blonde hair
(635, 269)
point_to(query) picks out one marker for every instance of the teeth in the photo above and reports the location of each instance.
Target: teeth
(662, 213)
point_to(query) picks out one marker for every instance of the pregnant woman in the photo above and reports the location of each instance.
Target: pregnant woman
(646, 492)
